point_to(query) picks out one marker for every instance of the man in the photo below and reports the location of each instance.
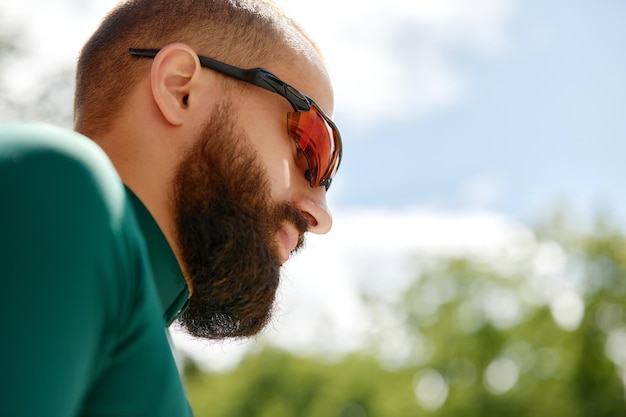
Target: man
(204, 179)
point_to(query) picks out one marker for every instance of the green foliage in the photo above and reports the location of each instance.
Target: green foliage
(274, 383)
(537, 330)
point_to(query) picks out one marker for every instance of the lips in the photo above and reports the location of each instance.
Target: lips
(288, 238)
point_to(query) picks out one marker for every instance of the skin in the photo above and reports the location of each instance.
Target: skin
(170, 106)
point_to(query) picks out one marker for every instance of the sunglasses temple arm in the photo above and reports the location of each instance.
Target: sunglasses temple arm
(146, 53)
(253, 76)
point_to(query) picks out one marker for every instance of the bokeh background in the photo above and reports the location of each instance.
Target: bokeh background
(477, 262)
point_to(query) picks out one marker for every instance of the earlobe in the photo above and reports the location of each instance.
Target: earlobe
(174, 72)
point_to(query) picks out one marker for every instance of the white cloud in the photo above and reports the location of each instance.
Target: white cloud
(319, 308)
(391, 60)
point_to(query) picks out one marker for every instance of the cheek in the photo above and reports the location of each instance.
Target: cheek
(275, 151)
(280, 173)
(266, 131)
(286, 172)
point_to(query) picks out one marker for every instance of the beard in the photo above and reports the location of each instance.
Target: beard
(227, 225)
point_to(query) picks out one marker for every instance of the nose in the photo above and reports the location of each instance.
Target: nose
(315, 208)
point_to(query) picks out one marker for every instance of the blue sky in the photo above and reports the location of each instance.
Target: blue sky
(463, 121)
(504, 105)
(541, 121)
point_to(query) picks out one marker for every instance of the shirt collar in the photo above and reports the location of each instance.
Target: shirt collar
(168, 278)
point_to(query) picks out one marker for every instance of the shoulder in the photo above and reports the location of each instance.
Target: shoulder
(40, 157)
(64, 211)
(23, 138)
(52, 175)
(74, 268)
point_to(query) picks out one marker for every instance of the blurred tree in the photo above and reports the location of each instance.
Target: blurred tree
(49, 100)
(9, 49)
(273, 383)
(536, 329)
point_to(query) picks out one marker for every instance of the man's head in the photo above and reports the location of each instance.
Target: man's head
(209, 155)
(244, 33)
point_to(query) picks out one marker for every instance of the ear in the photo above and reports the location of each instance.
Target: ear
(174, 73)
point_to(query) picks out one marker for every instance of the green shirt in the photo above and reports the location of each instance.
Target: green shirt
(82, 302)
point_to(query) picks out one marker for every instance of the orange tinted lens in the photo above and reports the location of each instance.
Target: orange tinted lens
(316, 140)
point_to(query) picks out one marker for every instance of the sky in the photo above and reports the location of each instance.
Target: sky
(502, 105)
(464, 123)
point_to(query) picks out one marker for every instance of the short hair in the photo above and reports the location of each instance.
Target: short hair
(245, 33)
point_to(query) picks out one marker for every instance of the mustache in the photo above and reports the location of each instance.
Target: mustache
(287, 213)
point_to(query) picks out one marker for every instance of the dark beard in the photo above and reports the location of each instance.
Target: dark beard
(227, 227)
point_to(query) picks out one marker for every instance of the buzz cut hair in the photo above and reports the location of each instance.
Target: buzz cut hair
(244, 33)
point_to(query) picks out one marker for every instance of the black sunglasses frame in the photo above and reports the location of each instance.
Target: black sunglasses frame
(268, 81)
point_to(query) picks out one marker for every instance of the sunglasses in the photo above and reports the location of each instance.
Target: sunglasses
(312, 130)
